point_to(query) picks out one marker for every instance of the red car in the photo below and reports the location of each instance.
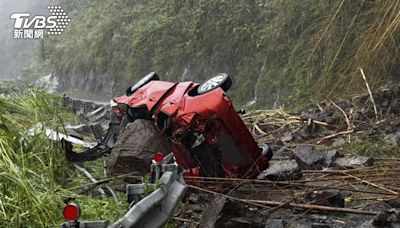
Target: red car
(208, 136)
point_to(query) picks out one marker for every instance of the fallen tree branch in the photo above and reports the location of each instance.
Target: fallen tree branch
(103, 181)
(372, 184)
(316, 207)
(91, 178)
(94, 181)
(349, 125)
(295, 205)
(334, 135)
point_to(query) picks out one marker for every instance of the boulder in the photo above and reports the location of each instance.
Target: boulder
(308, 157)
(135, 147)
(282, 170)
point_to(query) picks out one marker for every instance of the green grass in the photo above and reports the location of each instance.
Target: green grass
(371, 145)
(34, 174)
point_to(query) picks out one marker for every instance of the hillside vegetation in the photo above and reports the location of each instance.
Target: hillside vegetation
(281, 52)
(35, 177)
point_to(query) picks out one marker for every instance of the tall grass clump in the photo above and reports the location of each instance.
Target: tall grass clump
(35, 177)
(31, 167)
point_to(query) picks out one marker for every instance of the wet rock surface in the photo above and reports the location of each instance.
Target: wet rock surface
(308, 157)
(135, 148)
(282, 170)
(330, 157)
(354, 162)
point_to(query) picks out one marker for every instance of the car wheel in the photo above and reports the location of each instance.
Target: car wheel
(221, 80)
(146, 79)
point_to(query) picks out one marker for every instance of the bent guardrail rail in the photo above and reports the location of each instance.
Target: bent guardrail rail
(153, 210)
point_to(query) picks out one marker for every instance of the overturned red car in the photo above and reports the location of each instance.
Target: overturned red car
(208, 136)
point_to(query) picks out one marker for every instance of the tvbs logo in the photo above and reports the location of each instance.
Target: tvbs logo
(26, 27)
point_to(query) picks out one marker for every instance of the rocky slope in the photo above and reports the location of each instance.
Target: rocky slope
(336, 164)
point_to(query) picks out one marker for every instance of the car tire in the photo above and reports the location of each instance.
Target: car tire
(152, 76)
(221, 80)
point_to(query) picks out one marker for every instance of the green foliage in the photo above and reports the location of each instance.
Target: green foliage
(33, 171)
(285, 51)
(30, 166)
(101, 209)
(371, 145)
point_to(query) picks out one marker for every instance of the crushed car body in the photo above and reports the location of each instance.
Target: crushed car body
(208, 136)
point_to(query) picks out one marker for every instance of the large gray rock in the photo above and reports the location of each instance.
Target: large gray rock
(135, 147)
(354, 162)
(308, 157)
(282, 170)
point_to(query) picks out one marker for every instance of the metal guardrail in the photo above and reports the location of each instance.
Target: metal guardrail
(153, 210)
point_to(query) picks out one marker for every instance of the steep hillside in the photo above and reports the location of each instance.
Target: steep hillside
(278, 52)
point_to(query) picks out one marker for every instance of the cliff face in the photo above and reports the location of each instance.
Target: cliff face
(277, 52)
(91, 82)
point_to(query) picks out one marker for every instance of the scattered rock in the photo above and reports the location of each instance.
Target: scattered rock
(392, 139)
(234, 214)
(212, 212)
(274, 223)
(308, 157)
(287, 137)
(338, 142)
(332, 198)
(354, 162)
(385, 218)
(282, 170)
(281, 152)
(394, 203)
(330, 157)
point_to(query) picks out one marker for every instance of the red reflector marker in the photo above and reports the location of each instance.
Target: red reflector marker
(158, 157)
(71, 212)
